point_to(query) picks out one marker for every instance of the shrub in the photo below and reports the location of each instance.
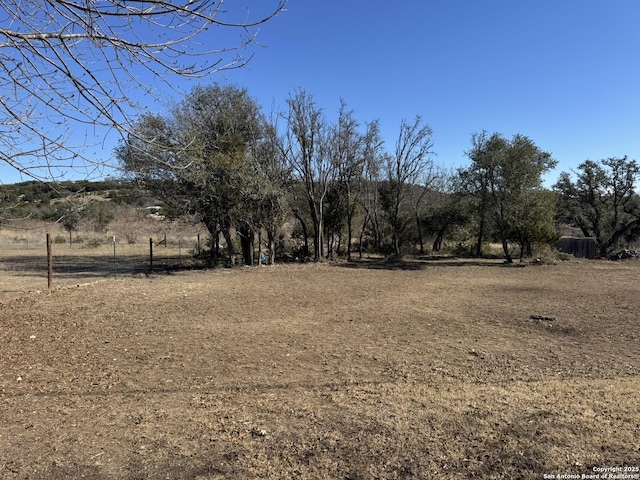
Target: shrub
(94, 242)
(460, 249)
(547, 255)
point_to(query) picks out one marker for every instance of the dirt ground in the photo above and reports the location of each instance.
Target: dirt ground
(427, 369)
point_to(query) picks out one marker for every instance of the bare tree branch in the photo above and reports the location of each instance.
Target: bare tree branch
(65, 63)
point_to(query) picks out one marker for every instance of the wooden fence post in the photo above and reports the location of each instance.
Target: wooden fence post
(49, 262)
(115, 268)
(150, 255)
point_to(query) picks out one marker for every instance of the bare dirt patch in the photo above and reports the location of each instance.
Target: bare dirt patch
(421, 370)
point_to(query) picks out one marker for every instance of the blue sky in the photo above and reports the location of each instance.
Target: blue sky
(565, 73)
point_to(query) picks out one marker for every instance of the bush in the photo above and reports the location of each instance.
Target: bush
(460, 249)
(547, 255)
(59, 239)
(94, 242)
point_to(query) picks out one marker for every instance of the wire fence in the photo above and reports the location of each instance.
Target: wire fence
(30, 265)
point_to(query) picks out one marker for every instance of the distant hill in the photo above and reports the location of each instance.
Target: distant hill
(45, 200)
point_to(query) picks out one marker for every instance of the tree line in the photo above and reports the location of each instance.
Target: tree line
(217, 156)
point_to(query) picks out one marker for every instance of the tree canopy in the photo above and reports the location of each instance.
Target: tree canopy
(216, 157)
(505, 179)
(602, 201)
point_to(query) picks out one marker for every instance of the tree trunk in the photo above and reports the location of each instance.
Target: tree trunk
(305, 234)
(437, 243)
(271, 241)
(395, 221)
(505, 248)
(395, 236)
(330, 242)
(321, 234)
(361, 236)
(503, 235)
(349, 235)
(318, 241)
(350, 215)
(246, 241)
(318, 227)
(419, 230)
(396, 243)
(231, 253)
(214, 233)
(480, 235)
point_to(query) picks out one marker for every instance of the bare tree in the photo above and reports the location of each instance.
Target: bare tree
(70, 62)
(424, 194)
(374, 157)
(272, 179)
(406, 168)
(309, 159)
(349, 160)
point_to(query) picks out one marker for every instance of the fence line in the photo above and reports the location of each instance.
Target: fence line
(24, 269)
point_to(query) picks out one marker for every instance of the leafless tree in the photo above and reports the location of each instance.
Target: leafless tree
(310, 160)
(406, 168)
(423, 194)
(349, 160)
(374, 158)
(65, 63)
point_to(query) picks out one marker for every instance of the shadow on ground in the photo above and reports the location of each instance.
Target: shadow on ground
(88, 267)
(420, 263)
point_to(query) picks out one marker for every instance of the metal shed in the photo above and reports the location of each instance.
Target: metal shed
(581, 247)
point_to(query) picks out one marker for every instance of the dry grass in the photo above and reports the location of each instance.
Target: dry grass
(431, 369)
(23, 255)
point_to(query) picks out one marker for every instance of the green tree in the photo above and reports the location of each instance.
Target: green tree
(69, 217)
(602, 201)
(505, 179)
(448, 211)
(207, 159)
(444, 216)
